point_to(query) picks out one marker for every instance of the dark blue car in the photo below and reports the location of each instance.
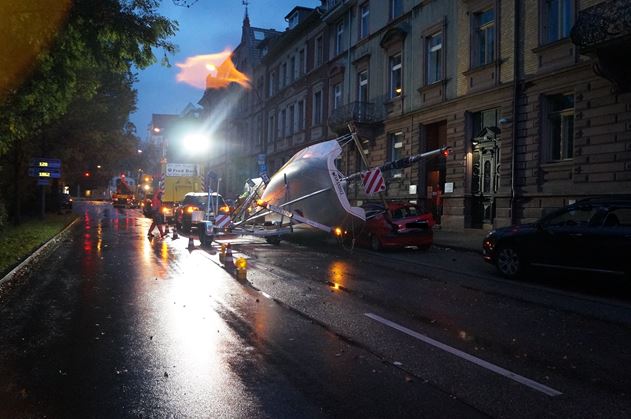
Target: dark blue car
(591, 235)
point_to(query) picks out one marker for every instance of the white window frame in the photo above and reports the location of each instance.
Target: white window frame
(362, 84)
(317, 108)
(339, 36)
(434, 59)
(557, 26)
(338, 91)
(485, 35)
(364, 16)
(395, 9)
(395, 69)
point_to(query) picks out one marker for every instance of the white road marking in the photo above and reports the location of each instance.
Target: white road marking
(480, 362)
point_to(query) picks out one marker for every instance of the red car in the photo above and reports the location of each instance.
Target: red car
(406, 225)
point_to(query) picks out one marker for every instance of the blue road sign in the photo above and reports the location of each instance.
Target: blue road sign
(44, 173)
(45, 163)
(43, 182)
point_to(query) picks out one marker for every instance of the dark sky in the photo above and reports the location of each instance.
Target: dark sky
(206, 27)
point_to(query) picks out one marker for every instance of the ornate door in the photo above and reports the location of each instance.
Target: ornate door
(485, 175)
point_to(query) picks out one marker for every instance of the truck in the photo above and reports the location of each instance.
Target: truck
(122, 191)
(179, 179)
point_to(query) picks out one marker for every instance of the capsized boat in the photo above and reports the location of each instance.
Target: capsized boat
(310, 185)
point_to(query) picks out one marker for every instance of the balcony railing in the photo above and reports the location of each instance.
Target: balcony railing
(602, 24)
(603, 32)
(356, 112)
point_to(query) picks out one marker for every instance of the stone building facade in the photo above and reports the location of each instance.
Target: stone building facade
(502, 82)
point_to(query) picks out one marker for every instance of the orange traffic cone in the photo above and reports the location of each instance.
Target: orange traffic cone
(191, 242)
(227, 261)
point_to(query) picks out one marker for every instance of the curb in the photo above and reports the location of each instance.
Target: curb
(43, 248)
(461, 248)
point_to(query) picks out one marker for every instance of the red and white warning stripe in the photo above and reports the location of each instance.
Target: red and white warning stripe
(222, 221)
(373, 181)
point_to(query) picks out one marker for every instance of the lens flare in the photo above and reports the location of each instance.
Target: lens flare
(211, 71)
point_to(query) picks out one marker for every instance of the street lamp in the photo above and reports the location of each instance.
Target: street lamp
(196, 142)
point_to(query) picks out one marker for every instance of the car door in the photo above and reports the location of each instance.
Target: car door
(610, 245)
(564, 237)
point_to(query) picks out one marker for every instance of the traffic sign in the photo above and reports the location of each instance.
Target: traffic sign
(45, 163)
(43, 182)
(44, 172)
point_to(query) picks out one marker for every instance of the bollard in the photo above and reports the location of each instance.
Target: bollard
(191, 242)
(228, 262)
(241, 265)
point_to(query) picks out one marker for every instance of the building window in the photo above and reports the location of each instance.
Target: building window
(272, 78)
(484, 119)
(319, 51)
(292, 119)
(362, 86)
(395, 151)
(259, 131)
(396, 8)
(337, 95)
(317, 108)
(301, 62)
(293, 20)
(339, 34)
(560, 127)
(364, 12)
(484, 38)
(283, 80)
(434, 58)
(301, 115)
(272, 129)
(292, 69)
(395, 76)
(283, 123)
(557, 19)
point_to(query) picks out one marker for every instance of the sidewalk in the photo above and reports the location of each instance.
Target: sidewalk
(468, 239)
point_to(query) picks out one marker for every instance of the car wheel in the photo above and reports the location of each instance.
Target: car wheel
(375, 243)
(509, 262)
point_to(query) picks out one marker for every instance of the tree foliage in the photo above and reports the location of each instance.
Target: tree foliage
(75, 101)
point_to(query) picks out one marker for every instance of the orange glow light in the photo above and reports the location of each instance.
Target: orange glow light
(211, 71)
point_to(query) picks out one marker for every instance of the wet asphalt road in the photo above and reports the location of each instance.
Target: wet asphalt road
(113, 324)
(116, 325)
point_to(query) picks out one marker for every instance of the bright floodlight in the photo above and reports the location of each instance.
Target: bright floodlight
(196, 142)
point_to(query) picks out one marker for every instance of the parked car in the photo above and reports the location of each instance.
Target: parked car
(407, 225)
(192, 208)
(590, 235)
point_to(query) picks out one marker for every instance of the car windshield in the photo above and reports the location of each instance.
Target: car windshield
(201, 200)
(405, 212)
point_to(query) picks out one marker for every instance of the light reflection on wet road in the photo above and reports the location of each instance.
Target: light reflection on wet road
(117, 325)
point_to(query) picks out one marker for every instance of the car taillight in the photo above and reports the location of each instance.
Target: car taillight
(225, 209)
(190, 210)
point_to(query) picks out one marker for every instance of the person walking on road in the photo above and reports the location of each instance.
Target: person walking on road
(158, 218)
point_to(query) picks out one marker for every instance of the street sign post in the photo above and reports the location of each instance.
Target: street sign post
(45, 163)
(44, 172)
(44, 169)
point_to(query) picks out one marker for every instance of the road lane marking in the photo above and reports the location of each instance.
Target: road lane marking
(480, 362)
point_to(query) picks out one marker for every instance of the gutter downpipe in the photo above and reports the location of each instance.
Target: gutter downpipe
(516, 88)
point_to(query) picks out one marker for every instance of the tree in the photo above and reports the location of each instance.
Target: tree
(77, 99)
